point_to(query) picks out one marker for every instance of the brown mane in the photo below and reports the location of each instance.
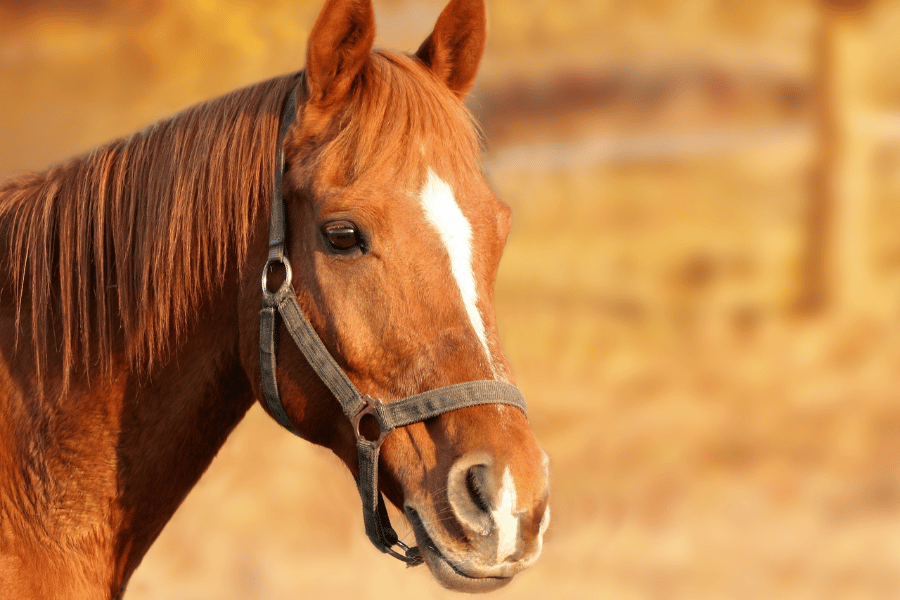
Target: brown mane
(401, 120)
(145, 225)
(150, 222)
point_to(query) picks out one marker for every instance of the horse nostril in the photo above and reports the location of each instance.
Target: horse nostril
(476, 485)
(469, 491)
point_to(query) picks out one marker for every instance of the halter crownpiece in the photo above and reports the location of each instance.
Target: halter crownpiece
(356, 407)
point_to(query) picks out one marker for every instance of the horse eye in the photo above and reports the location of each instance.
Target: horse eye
(342, 236)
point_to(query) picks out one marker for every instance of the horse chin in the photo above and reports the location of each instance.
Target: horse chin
(454, 576)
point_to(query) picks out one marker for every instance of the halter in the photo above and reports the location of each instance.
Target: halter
(356, 406)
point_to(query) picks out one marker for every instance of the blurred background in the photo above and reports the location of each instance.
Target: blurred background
(700, 296)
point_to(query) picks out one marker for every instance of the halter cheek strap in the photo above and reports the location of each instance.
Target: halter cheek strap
(356, 406)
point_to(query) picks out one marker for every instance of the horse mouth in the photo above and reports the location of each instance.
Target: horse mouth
(449, 574)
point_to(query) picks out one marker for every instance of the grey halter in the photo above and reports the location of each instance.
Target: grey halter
(355, 405)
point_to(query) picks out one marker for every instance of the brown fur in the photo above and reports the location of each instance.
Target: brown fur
(453, 51)
(129, 304)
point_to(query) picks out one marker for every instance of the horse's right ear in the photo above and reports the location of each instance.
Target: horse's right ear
(339, 46)
(454, 48)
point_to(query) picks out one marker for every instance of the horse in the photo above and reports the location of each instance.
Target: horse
(134, 335)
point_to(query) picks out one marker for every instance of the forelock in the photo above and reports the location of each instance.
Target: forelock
(402, 120)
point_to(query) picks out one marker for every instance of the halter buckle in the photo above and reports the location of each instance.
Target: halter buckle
(371, 408)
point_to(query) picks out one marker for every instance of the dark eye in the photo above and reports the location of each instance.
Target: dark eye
(342, 236)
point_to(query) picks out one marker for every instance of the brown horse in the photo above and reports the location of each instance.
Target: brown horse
(130, 308)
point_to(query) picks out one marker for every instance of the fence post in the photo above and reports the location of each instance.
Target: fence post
(838, 271)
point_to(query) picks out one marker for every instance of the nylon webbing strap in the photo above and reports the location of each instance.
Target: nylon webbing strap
(453, 397)
(377, 524)
(355, 406)
(277, 229)
(406, 411)
(268, 327)
(267, 365)
(318, 357)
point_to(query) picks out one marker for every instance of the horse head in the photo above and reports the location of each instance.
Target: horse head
(395, 240)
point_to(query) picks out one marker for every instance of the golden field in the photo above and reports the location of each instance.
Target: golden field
(710, 435)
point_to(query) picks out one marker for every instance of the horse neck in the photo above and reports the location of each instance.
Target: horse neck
(171, 427)
(101, 463)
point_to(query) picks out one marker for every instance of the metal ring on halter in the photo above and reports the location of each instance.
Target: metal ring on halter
(411, 556)
(288, 274)
(371, 406)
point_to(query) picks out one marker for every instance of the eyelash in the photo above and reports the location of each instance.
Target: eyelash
(338, 234)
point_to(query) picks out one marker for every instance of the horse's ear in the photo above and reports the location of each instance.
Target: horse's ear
(339, 46)
(453, 50)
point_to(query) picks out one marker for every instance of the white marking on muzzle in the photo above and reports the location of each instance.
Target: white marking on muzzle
(545, 523)
(443, 212)
(505, 519)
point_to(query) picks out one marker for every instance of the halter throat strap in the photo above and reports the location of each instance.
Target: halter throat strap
(356, 406)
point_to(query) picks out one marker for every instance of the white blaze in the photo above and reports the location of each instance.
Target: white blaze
(545, 523)
(442, 211)
(505, 517)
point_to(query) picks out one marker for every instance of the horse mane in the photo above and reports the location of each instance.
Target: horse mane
(133, 234)
(131, 237)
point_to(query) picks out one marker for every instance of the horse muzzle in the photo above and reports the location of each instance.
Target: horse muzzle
(489, 532)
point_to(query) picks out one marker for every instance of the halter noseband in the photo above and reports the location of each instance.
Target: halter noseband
(355, 405)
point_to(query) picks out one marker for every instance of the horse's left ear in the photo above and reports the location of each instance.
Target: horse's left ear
(453, 50)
